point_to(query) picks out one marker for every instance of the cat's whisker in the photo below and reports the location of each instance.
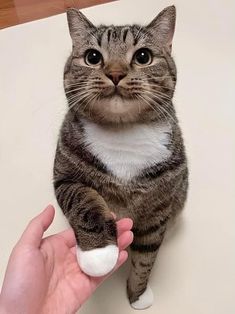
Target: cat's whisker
(79, 87)
(166, 98)
(86, 87)
(158, 76)
(75, 86)
(160, 107)
(152, 90)
(67, 86)
(149, 78)
(88, 100)
(74, 90)
(92, 104)
(77, 90)
(83, 97)
(91, 93)
(165, 108)
(157, 110)
(152, 82)
(79, 94)
(158, 86)
(163, 112)
(72, 105)
(84, 80)
(77, 99)
(147, 102)
(79, 84)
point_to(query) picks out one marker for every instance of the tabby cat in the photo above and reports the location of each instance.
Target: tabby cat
(120, 147)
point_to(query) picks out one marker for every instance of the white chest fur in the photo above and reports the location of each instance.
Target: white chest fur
(128, 151)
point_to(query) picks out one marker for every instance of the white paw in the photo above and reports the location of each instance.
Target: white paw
(145, 300)
(98, 262)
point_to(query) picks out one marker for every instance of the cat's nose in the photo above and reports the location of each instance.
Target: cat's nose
(116, 76)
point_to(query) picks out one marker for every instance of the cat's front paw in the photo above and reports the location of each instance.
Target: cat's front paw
(98, 262)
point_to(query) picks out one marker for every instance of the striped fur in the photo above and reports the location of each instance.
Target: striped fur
(86, 187)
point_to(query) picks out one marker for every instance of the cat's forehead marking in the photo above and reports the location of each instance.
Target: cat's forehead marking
(114, 35)
(118, 42)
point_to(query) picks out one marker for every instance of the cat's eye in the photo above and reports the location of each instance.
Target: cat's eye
(142, 56)
(93, 57)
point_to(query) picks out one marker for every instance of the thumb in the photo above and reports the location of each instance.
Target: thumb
(34, 231)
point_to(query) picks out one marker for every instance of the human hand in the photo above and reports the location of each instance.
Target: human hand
(43, 275)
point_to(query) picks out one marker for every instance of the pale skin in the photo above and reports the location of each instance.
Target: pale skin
(43, 275)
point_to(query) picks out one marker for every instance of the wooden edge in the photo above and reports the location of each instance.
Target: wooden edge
(22, 11)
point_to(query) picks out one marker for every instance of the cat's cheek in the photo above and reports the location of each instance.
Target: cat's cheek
(98, 262)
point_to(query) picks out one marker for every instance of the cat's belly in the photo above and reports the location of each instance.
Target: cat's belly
(128, 151)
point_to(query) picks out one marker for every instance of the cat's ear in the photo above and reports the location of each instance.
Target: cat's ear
(163, 26)
(79, 25)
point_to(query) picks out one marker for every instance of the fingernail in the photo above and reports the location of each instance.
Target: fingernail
(49, 206)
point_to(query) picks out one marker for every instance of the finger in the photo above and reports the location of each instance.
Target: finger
(69, 237)
(125, 240)
(123, 225)
(34, 231)
(123, 255)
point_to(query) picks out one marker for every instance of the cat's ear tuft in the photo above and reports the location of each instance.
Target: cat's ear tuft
(79, 25)
(163, 26)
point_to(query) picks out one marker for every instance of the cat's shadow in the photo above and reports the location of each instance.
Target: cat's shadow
(107, 298)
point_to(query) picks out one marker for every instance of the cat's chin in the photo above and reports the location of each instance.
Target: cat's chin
(119, 105)
(116, 109)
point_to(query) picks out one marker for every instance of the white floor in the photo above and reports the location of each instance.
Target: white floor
(195, 272)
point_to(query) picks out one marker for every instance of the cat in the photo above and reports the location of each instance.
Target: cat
(120, 147)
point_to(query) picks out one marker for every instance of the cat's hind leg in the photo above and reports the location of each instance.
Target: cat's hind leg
(144, 250)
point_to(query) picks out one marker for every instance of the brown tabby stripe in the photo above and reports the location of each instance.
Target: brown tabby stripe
(125, 34)
(145, 264)
(158, 170)
(141, 232)
(109, 34)
(145, 248)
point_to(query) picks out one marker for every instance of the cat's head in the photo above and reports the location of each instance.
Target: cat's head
(121, 74)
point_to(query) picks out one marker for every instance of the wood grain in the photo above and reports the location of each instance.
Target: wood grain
(13, 12)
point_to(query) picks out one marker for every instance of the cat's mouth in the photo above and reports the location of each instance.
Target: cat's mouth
(112, 91)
